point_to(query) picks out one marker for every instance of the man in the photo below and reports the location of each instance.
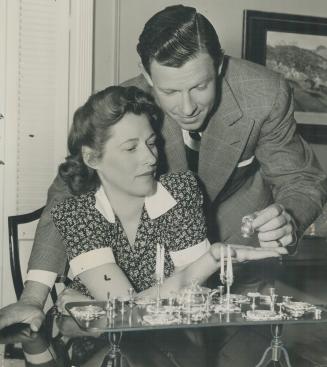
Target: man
(245, 149)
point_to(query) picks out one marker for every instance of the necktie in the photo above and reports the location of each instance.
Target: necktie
(192, 147)
(195, 135)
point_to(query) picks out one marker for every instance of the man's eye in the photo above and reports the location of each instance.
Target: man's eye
(202, 86)
(131, 149)
(169, 92)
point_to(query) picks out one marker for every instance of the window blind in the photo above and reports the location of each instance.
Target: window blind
(37, 96)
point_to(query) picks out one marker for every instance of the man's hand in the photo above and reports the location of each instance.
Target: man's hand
(69, 295)
(275, 227)
(21, 312)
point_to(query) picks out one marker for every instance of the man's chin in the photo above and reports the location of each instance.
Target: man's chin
(188, 125)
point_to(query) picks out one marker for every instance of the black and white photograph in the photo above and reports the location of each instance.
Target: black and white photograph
(163, 183)
(302, 59)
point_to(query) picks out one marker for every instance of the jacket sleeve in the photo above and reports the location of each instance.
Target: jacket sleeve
(288, 163)
(48, 252)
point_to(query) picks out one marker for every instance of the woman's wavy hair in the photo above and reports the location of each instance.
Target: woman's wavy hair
(176, 35)
(91, 128)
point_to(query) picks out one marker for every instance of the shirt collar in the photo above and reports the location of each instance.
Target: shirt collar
(156, 205)
(191, 143)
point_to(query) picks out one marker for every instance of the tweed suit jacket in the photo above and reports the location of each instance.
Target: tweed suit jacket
(254, 123)
(250, 156)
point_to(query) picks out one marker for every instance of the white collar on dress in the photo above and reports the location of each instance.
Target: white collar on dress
(156, 205)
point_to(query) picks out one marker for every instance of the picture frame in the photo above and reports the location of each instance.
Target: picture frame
(296, 46)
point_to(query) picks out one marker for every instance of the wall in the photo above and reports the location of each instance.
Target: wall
(226, 16)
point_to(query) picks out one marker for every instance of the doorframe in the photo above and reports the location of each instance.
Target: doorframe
(77, 86)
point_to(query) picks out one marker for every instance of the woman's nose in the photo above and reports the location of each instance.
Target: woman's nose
(150, 157)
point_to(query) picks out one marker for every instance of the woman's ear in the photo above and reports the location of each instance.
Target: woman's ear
(89, 157)
(146, 75)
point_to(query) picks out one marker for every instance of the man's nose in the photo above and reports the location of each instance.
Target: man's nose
(188, 107)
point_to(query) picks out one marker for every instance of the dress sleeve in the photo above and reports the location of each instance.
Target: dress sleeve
(187, 237)
(84, 233)
(48, 253)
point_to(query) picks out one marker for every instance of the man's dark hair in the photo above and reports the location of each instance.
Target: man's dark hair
(175, 35)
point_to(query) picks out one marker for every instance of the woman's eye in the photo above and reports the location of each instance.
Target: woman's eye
(131, 149)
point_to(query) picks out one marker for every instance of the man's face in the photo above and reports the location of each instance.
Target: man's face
(186, 94)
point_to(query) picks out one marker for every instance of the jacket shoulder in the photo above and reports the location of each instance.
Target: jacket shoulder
(255, 86)
(244, 70)
(139, 82)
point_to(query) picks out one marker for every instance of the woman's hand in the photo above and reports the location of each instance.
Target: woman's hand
(69, 295)
(241, 253)
(249, 253)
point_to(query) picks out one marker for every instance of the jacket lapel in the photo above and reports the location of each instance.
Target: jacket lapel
(223, 142)
(175, 155)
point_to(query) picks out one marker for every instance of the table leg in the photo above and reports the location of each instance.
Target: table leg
(276, 352)
(113, 357)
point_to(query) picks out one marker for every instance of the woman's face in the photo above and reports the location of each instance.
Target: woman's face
(129, 160)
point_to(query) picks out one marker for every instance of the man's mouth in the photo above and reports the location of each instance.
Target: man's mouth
(190, 118)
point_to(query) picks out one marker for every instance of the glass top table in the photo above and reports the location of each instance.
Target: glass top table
(100, 341)
(139, 318)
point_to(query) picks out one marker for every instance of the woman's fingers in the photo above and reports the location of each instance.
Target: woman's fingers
(247, 253)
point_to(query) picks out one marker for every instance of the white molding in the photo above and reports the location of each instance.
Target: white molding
(9, 30)
(3, 33)
(81, 53)
(62, 83)
(116, 33)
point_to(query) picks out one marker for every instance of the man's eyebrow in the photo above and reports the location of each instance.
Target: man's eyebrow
(204, 81)
(168, 89)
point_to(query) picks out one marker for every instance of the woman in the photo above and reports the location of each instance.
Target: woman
(120, 213)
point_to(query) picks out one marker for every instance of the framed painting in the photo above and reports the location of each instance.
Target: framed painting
(296, 46)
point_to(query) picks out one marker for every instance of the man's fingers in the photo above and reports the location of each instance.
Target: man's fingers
(282, 241)
(267, 214)
(275, 223)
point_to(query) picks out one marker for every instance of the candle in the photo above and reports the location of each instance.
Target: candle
(222, 265)
(158, 261)
(162, 263)
(229, 267)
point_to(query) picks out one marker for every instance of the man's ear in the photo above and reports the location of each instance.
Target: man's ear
(146, 75)
(89, 157)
